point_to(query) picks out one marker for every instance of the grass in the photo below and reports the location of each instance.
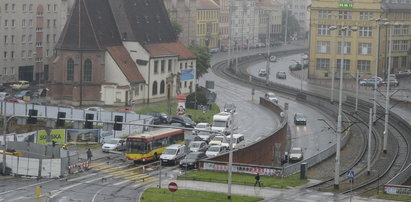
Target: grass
(185, 195)
(197, 115)
(244, 179)
(394, 197)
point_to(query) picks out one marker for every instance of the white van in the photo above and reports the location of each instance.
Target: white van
(238, 141)
(222, 122)
(173, 154)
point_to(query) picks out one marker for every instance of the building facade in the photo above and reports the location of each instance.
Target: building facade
(269, 18)
(208, 20)
(223, 24)
(29, 30)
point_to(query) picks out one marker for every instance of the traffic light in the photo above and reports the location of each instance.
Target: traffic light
(32, 116)
(118, 126)
(89, 121)
(60, 119)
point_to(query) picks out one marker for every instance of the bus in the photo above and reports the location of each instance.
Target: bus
(148, 146)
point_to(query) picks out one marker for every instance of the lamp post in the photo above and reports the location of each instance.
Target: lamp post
(344, 30)
(387, 97)
(377, 51)
(267, 44)
(5, 122)
(230, 157)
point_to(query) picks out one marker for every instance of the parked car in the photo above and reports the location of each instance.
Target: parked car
(4, 96)
(20, 85)
(262, 72)
(173, 154)
(206, 136)
(259, 45)
(393, 81)
(183, 120)
(114, 144)
(296, 154)
(371, 82)
(23, 93)
(213, 50)
(281, 75)
(96, 109)
(238, 141)
(229, 107)
(198, 146)
(217, 140)
(159, 117)
(192, 160)
(15, 100)
(404, 73)
(299, 119)
(215, 150)
(271, 96)
(201, 126)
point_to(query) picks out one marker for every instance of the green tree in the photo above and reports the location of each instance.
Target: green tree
(203, 59)
(292, 25)
(177, 27)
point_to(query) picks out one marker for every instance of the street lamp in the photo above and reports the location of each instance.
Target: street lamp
(387, 97)
(5, 122)
(344, 30)
(267, 44)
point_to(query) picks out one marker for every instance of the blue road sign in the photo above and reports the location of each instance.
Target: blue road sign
(350, 174)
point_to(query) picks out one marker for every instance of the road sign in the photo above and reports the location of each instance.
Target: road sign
(172, 187)
(350, 174)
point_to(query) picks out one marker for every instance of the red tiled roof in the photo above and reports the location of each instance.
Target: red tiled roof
(126, 64)
(168, 49)
(207, 4)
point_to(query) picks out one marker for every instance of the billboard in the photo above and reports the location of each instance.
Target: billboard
(47, 136)
(83, 135)
(186, 74)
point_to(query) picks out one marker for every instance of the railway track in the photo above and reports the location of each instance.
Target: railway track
(384, 166)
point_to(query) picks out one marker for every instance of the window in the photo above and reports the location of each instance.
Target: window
(365, 31)
(163, 66)
(155, 67)
(162, 86)
(23, 54)
(169, 65)
(346, 65)
(30, 23)
(323, 30)
(154, 91)
(5, 71)
(347, 31)
(364, 48)
(324, 14)
(47, 53)
(87, 70)
(400, 30)
(13, 40)
(48, 7)
(55, 7)
(6, 7)
(6, 23)
(5, 55)
(29, 38)
(70, 69)
(345, 15)
(54, 38)
(30, 54)
(323, 64)
(364, 65)
(6, 39)
(39, 44)
(403, 61)
(395, 61)
(13, 24)
(54, 23)
(46, 72)
(181, 66)
(48, 23)
(12, 54)
(48, 38)
(347, 47)
(24, 8)
(400, 45)
(31, 7)
(13, 7)
(323, 46)
(23, 23)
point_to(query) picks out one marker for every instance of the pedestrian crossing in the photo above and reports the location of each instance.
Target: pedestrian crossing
(128, 174)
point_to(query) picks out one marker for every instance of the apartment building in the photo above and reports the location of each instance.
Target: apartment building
(208, 19)
(29, 30)
(269, 13)
(299, 9)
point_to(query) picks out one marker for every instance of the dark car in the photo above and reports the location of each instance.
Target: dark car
(295, 67)
(281, 75)
(206, 136)
(183, 120)
(299, 119)
(230, 107)
(23, 93)
(159, 117)
(192, 160)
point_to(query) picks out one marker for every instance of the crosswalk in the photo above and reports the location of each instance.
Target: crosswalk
(126, 173)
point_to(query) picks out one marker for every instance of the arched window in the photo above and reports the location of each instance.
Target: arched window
(87, 70)
(162, 86)
(70, 69)
(155, 88)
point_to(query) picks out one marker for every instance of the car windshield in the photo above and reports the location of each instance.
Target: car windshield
(112, 142)
(295, 151)
(221, 139)
(219, 124)
(170, 151)
(192, 156)
(195, 145)
(299, 116)
(214, 149)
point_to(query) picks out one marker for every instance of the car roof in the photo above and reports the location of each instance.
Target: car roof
(175, 146)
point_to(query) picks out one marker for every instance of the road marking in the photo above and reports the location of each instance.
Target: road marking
(149, 181)
(118, 183)
(95, 195)
(79, 178)
(26, 187)
(137, 176)
(71, 186)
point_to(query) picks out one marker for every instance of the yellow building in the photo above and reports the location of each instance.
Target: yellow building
(360, 46)
(207, 23)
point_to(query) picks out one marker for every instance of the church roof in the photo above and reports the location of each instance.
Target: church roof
(169, 49)
(126, 64)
